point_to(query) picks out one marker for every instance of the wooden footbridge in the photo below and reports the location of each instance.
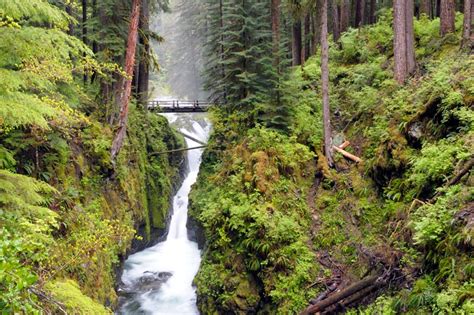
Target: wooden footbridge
(177, 106)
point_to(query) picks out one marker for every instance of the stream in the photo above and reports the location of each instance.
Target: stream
(158, 280)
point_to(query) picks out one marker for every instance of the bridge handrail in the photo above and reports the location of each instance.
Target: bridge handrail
(178, 103)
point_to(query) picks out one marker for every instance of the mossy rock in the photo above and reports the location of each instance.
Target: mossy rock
(68, 293)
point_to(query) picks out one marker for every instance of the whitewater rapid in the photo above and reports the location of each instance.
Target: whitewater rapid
(160, 277)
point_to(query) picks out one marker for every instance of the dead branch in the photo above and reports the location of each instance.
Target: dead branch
(348, 155)
(344, 145)
(467, 167)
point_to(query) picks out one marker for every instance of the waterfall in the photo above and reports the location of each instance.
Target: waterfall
(158, 280)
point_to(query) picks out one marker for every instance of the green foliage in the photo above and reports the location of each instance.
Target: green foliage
(50, 134)
(37, 13)
(413, 140)
(431, 221)
(26, 225)
(254, 211)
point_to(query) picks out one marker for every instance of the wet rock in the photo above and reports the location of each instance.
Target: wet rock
(151, 277)
(150, 281)
(415, 130)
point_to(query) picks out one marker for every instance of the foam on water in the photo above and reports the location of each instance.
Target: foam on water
(177, 255)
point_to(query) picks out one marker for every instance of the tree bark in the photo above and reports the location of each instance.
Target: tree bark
(400, 42)
(447, 17)
(425, 7)
(345, 15)
(275, 17)
(69, 11)
(373, 8)
(95, 47)
(84, 31)
(467, 24)
(336, 31)
(325, 83)
(126, 83)
(316, 27)
(275, 13)
(306, 53)
(144, 66)
(84, 21)
(360, 13)
(410, 36)
(296, 42)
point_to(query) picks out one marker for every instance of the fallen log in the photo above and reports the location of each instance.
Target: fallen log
(344, 293)
(348, 155)
(361, 294)
(192, 138)
(178, 150)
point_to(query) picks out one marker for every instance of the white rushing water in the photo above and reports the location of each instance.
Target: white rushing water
(158, 280)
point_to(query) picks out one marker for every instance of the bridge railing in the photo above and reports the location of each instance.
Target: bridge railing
(177, 105)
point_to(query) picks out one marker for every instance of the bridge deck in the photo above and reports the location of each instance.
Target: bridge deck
(177, 106)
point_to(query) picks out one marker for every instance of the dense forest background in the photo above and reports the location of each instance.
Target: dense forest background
(340, 160)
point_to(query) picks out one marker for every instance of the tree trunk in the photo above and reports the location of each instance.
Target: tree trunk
(438, 8)
(336, 32)
(400, 42)
(410, 36)
(316, 27)
(345, 15)
(467, 24)
(296, 42)
(447, 16)
(373, 8)
(306, 53)
(360, 13)
(126, 83)
(71, 24)
(325, 83)
(425, 7)
(84, 31)
(275, 17)
(221, 25)
(95, 47)
(144, 66)
(275, 12)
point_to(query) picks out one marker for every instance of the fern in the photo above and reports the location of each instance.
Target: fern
(34, 12)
